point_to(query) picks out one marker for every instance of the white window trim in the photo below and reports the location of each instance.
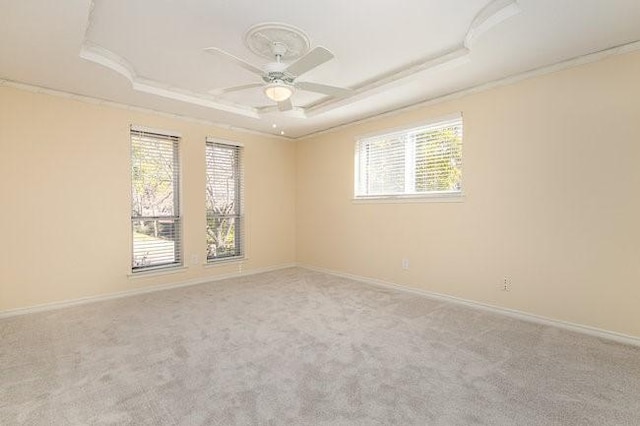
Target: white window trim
(211, 139)
(430, 197)
(225, 261)
(145, 129)
(156, 272)
(400, 129)
(444, 197)
(171, 268)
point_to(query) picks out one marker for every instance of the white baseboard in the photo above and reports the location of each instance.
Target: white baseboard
(137, 291)
(525, 316)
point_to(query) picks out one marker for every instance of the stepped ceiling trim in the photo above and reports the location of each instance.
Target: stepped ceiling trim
(491, 15)
(571, 63)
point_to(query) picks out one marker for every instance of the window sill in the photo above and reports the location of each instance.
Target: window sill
(157, 272)
(457, 197)
(220, 262)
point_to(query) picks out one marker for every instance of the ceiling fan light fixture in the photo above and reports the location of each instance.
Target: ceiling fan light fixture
(278, 91)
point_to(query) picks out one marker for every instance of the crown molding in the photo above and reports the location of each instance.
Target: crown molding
(536, 72)
(106, 58)
(101, 56)
(491, 15)
(398, 76)
(494, 13)
(97, 101)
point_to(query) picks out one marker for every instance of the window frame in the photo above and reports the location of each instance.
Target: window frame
(176, 218)
(239, 216)
(407, 197)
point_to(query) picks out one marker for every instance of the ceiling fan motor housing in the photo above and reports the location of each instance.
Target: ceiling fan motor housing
(275, 71)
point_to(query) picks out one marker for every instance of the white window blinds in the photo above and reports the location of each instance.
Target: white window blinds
(155, 195)
(224, 192)
(417, 161)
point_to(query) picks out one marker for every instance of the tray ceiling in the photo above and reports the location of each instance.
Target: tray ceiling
(149, 53)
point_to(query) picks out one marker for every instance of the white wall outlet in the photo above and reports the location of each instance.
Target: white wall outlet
(405, 264)
(506, 284)
(195, 259)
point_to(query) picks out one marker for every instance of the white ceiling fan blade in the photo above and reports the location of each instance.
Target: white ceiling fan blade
(222, 91)
(267, 109)
(312, 59)
(285, 105)
(296, 112)
(337, 92)
(240, 62)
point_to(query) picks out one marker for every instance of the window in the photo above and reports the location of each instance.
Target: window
(155, 201)
(420, 161)
(225, 228)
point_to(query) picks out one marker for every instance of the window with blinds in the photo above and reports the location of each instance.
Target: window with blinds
(420, 161)
(225, 227)
(155, 205)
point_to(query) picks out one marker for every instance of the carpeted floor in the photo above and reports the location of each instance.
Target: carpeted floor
(301, 347)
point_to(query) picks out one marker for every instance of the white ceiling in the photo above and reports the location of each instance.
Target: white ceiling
(148, 53)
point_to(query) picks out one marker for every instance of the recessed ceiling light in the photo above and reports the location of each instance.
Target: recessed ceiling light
(274, 125)
(282, 132)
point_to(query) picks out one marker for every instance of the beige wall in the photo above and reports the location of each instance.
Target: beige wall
(65, 185)
(551, 177)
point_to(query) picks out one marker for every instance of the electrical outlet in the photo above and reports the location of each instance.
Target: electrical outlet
(506, 284)
(405, 264)
(195, 259)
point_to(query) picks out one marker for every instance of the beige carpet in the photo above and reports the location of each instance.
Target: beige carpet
(300, 347)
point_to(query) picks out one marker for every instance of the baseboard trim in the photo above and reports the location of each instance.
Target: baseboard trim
(513, 313)
(144, 290)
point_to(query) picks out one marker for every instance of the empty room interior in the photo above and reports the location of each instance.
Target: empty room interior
(338, 213)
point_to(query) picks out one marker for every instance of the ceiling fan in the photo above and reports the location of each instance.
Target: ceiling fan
(280, 79)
